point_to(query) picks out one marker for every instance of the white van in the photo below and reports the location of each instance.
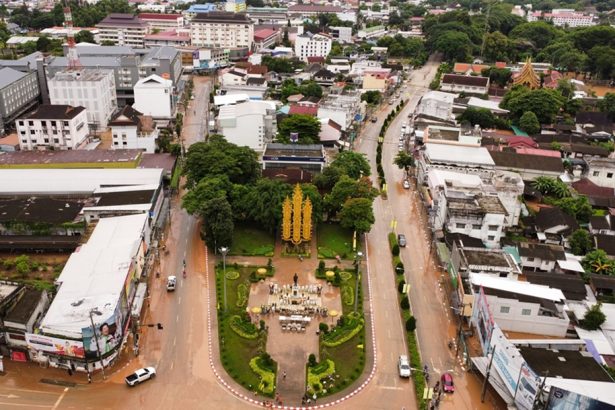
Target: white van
(171, 283)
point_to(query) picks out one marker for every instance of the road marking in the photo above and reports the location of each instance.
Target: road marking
(25, 405)
(177, 320)
(391, 388)
(34, 391)
(172, 365)
(174, 341)
(55, 406)
(179, 301)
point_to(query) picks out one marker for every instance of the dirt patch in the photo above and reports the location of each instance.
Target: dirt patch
(39, 270)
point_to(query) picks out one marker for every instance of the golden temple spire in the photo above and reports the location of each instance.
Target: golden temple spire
(527, 76)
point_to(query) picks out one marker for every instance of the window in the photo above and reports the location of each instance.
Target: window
(609, 175)
(530, 259)
(504, 309)
(476, 226)
(491, 238)
(596, 173)
(460, 226)
(493, 227)
(526, 312)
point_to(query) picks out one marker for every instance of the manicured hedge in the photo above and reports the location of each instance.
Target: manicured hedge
(316, 373)
(352, 325)
(267, 384)
(243, 328)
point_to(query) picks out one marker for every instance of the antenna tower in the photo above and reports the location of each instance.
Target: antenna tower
(73, 57)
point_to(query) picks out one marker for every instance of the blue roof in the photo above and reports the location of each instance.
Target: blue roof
(518, 131)
(200, 8)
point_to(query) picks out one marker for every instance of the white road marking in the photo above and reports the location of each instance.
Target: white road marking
(174, 341)
(391, 388)
(55, 406)
(172, 365)
(177, 320)
(179, 300)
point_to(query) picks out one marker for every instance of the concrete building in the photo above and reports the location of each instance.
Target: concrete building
(205, 59)
(22, 313)
(466, 260)
(523, 307)
(265, 38)
(437, 104)
(600, 171)
(154, 97)
(123, 30)
(252, 124)
(341, 108)
(528, 166)
(539, 256)
(19, 92)
(456, 158)
(312, 45)
(372, 32)
(53, 127)
(468, 84)
(92, 89)
(235, 6)
(195, 9)
(279, 158)
(341, 34)
(222, 29)
(162, 22)
(268, 15)
(173, 38)
(466, 136)
(130, 129)
(564, 18)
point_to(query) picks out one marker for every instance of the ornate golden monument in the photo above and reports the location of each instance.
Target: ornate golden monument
(297, 218)
(527, 76)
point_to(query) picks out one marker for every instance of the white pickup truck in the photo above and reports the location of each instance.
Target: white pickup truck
(140, 376)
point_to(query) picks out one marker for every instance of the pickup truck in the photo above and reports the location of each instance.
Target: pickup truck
(140, 376)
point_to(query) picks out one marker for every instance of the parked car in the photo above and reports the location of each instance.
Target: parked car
(171, 283)
(401, 240)
(447, 383)
(374, 119)
(406, 184)
(140, 376)
(404, 366)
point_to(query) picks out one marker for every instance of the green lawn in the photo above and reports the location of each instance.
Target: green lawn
(334, 240)
(252, 241)
(235, 351)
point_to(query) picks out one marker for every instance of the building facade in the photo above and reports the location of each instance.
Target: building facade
(130, 129)
(222, 29)
(53, 127)
(252, 124)
(312, 45)
(92, 89)
(123, 30)
(162, 22)
(19, 92)
(154, 97)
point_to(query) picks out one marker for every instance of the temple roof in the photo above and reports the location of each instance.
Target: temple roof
(527, 76)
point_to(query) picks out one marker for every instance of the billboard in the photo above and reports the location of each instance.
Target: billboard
(108, 335)
(561, 399)
(483, 320)
(54, 345)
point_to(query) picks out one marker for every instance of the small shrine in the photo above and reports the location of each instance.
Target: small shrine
(527, 76)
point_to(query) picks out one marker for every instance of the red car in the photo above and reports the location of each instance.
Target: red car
(447, 383)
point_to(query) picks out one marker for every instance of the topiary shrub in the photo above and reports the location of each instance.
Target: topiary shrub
(400, 286)
(411, 324)
(405, 303)
(321, 267)
(399, 268)
(395, 250)
(312, 358)
(323, 327)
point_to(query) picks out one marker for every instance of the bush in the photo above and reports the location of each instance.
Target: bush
(346, 276)
(258, 366)
(395, 250)
(8, 264)
(243, 328)
(405, 303)
(317, 373)
(347, 328)
(347, 295)
(399, 268)
(321, 267)
(400, 286)
(312, 358)
(411, 324)
(231, 275)
(323, 327)
(392, 239)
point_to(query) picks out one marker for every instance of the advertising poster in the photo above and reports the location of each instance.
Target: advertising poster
(482, 319)
(529, 384)
(62, 347)
(560, 399)
(108, 335)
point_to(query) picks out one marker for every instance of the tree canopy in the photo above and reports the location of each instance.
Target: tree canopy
(306, 126)
(353, 164)
(357, 214)
(543, 102)
(282, 65)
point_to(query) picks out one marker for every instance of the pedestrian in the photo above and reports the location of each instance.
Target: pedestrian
(284, 375)
(89, 379)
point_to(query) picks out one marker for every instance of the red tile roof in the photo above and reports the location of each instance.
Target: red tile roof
(304, 110)
(316, 59)
(264, 33)
(587, 187)
(159, 16)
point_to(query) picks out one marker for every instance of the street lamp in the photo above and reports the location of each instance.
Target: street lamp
(224, 250)
(357, 278)
(96, 312)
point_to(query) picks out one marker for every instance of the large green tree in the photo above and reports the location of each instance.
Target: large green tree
(347, 188)
(220, 157)
(372, 97)
(306, 126)
(539, 33)
(545, 103)
(529, 123)
(351, 163)
(598, 262)
(218, 224)
(593, 318)
(456, 46)
(607, 105)
(480, 116)
(357, 214)
(266, 202)
(206, 189)
(602, 61)
(580, 242)
(497, 47)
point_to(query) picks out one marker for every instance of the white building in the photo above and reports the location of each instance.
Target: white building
(456, 158)
(90, 88)
(437, 104)
(601, 171)
(523, 307)
(53, 127)
(97, 284)
(312, 45)
(222, 29)
(372, 32)
(469, 84)
(341, 108)
(132, 130)
(154, 97)
(466, 260)
(251, 124)
(235, 6)
(465, 136)
(540, 256)
(162, 21)
(123, 30)
(564, 18)
(341, 34)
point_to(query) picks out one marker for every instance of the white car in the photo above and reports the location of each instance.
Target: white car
(171, 283)
(404, 366)
(140, 376)
(406, 184)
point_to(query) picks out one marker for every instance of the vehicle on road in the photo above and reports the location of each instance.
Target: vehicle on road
(374, 119)
(171, 283)
(391, 101)
(404, 366)
(401, 240)
(140, 376)
(447, 383)
(406, 184)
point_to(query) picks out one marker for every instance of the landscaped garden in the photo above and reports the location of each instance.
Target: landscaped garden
(333, 240)
(342, 345)
(243, 343)
(249, 240)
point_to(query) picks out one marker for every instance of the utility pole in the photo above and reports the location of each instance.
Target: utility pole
(537, 399)
(224, 250)
(484, 389)
(102, 365)
(357, 279)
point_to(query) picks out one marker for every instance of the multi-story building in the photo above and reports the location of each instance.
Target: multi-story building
(132, 130)
(129, 65)
(62, 32)
(162, 22)
(19, 92)
(195, 9)
(564, 18)
(154, 97)
(89, 88)
(268, 15)
(235, 6)
(56, 127)
(123, 30)
(251, 123)
(173, 38)
(222, 29)
(341, 34)
(465, 83)
(265, 38)
(341, 108)
(210, 58)
(372, 32)
(312, 45)
(301, 11)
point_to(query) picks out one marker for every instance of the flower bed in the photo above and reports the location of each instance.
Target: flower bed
(243, 291)
(351, 326)
(267, 374)
(347, 295)
(243, 328)
(315, 374)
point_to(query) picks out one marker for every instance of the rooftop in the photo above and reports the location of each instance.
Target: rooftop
(315, 8)
(541, 250)
(121, 19)
(55, 112)
(86, 74)
(44, 210)
(159, 16)
(567, 364)
(517, 287)
(222, 17)
(466, 156)
(465, 80)
(481, 257)
(23, 309)
(8, 76)
(48, 158)
(291, 150)
(572, 286)
(521, 161)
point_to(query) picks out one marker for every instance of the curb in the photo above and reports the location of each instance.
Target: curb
(250, 400)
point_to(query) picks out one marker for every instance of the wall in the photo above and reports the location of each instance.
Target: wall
(154, 100)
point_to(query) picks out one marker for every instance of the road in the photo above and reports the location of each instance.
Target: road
(403, 210)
